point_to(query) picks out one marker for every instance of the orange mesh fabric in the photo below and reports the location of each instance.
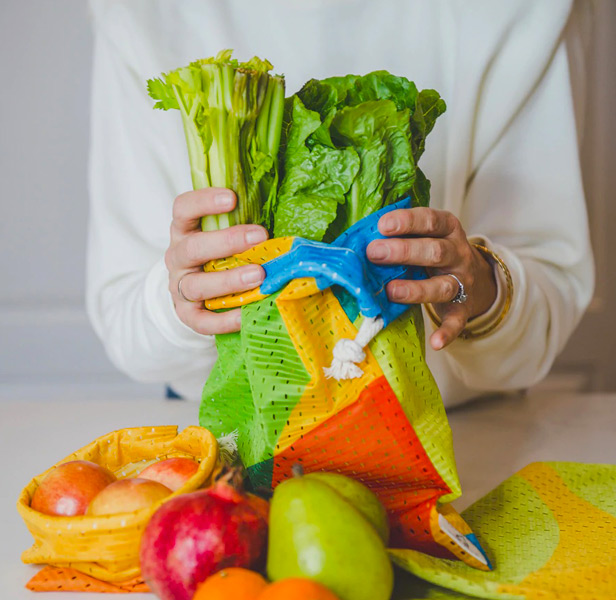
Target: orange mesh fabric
(52, 579)
(372, 441)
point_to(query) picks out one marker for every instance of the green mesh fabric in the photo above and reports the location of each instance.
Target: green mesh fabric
(276, 373)
(595, 485)
(229, 372)
(399, 350)
(260, 474)
(490, 518)
(549, 531)
(347, 302)
(261, 378)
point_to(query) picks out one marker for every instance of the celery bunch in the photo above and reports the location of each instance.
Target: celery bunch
(232, 115)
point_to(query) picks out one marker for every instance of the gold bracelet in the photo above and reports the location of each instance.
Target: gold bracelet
(491, 257)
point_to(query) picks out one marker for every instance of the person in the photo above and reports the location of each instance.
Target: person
(507, 215)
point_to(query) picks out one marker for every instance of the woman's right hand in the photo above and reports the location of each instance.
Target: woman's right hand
(190, 248)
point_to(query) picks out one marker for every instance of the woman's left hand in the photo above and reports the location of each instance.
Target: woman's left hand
(439, 244)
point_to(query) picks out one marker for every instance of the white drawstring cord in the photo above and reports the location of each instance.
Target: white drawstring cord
(227, 446)
(348, 353)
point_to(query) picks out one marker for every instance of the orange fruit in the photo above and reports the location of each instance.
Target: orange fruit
(297, 589)
(236, 583)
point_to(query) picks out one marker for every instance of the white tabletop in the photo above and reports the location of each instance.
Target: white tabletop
(493, 439)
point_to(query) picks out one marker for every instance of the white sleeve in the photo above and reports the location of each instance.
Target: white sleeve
(138, 165)
(526, 200)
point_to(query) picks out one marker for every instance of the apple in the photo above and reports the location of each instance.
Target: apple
(172, 472)
(68, 489)
(127, 495)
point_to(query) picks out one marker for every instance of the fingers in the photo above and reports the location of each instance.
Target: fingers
(199, 286)
(188, 208)
(202, 246)
(453, 322)
(425, 252)
(435, 290)
(439, 290)
(418, 221)
(190, 248)
(206, 322)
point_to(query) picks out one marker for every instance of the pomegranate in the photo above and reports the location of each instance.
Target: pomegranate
(192, 536)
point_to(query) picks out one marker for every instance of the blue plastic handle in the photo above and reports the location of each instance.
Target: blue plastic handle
(344, 263)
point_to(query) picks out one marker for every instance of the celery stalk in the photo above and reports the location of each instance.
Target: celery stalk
(232, 117)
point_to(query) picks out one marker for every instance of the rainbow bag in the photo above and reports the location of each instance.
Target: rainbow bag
(327, 372)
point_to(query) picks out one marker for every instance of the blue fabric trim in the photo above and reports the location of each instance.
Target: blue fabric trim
(471, 537)
(344, 263)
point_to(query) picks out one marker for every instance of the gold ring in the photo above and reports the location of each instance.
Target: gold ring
(180, 292)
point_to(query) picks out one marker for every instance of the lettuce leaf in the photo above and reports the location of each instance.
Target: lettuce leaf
(316, 178)
(380, 134)
(429, 107)
(379, 117)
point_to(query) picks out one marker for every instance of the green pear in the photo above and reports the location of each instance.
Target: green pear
(316, 533)
(363, 499)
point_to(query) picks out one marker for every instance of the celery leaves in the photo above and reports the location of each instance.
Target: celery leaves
(232, 116)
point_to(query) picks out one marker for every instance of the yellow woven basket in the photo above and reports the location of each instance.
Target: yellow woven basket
(107, 547)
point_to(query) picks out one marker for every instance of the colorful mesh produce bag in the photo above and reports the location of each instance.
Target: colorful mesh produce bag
(106, 547)
(550, 530)
(326, 371)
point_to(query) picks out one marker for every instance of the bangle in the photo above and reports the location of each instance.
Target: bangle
(492, 258)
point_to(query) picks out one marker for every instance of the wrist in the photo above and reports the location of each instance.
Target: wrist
(485, 289)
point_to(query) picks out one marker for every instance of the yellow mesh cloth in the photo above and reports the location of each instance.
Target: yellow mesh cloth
(107, 547)
(257, 255)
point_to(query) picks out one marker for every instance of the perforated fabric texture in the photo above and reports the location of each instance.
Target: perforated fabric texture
(387, 428)
(106, 547)
(550, 530)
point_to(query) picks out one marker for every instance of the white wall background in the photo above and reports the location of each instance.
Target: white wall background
(45, 338)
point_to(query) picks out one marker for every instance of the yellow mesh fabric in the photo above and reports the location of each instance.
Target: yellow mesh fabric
(583, 564)
(550, 531)
(257, 255)
(107, 547)
(315, 323)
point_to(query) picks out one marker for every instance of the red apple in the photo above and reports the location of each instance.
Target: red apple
(127, 495)
(70, 487)
(172, 472)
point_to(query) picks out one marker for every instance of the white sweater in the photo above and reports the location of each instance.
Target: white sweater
(503, 158)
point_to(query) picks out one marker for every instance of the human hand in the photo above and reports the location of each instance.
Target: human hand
(190, 248)
(440, 245)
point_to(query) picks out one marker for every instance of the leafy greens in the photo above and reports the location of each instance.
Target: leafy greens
(311, 165)
(378, 123)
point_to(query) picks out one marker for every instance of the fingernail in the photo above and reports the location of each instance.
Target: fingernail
(252, 276)
(238, 319)
(379, 251)
(255, 236)
(437, 343)
(223, 199)
(391, 224)
(399, 292)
